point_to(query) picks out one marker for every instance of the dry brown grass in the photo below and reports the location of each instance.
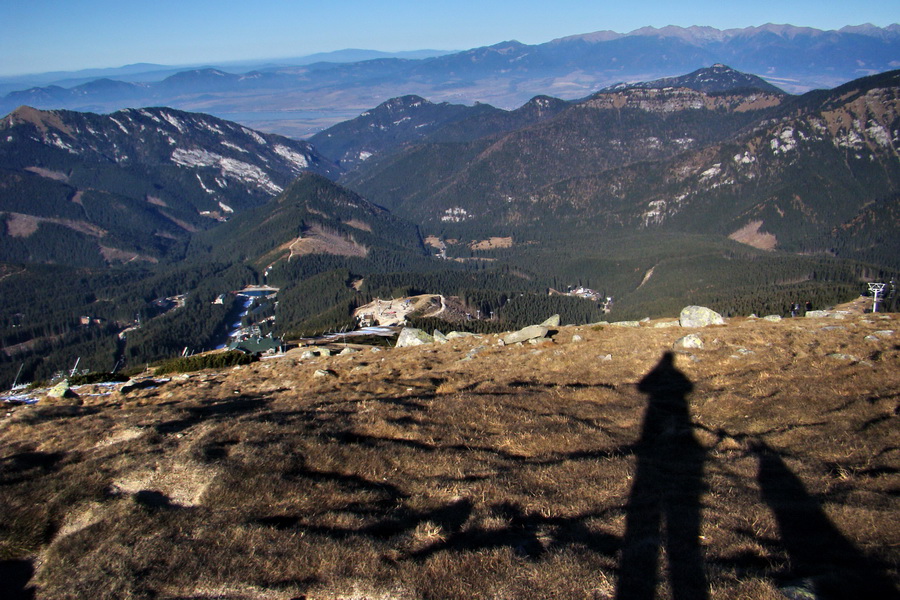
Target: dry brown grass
(470, 470)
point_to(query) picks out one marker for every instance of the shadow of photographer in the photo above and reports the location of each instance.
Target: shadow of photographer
(663, 510)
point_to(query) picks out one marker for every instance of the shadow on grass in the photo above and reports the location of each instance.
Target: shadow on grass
(823, 563)
(14, 578)
(27, 465)
(214, 409)
(663, 508)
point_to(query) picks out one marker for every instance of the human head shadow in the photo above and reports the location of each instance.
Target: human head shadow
(822, 560)
(663, 509)
(15, 576)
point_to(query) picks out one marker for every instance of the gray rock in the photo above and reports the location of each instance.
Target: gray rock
(625, 324)
(324, 352)
(692, 340)
(439, 337)
(664, 324)
(606, 357)
(410, 336)
(872, 338)
(62, 390)
(551, 322)
(699, 316)
(577, 338)
(842, 356)
(885, 333)
(347, 351)
(816, 314)
(307, 354)
(453, 335)
(528, 333)
(772, 318)
(324, 373)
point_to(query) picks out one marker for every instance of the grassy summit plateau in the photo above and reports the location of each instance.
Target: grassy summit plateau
(764, 465)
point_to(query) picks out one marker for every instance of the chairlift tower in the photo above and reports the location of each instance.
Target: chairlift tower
(876, 289)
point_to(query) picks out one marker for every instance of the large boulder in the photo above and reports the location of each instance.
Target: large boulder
(551, 322)
(532, 332)
(699, 316)
(410, 336)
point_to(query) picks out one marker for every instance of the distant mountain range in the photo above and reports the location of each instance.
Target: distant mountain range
(507, 75)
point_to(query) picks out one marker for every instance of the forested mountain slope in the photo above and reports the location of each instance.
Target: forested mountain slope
(87, 189)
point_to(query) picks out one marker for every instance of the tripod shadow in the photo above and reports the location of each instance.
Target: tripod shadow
(664, 506)
(822, 560)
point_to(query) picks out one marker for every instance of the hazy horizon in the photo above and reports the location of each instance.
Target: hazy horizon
(49, 36)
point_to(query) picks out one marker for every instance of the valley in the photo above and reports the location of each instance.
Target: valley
(740, 197)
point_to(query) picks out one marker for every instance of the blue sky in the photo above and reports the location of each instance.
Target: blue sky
(48, 35)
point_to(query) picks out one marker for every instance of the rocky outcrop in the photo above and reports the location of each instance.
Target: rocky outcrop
(410, 336)
(532, 332)
(699, 316)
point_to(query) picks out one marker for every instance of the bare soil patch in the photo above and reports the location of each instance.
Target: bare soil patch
(751, 235)
(492, 243)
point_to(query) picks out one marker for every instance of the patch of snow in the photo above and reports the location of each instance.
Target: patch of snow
(173, 121)
(57, 141)
(711, 172)
(298, 160)
(879, 134)
(122, 127)
(203, 185)
(228, 144)
(655, 213)
(256, 137)
(365, 155)
(744, 159)
(225, 207)
(149, 115)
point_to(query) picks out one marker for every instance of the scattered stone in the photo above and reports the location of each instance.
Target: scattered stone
(872, 338)
(528, 333)
(691, 340)
(410, 336)
(663, 324)
(62, 390)
(461, 334)
(577, 338)
(842, 356)
(309, 354)
(375, 350)
(772, 318)
(551, 322)
(885, 333)
(324, 373)
(324, 352)
(439, 337)
(753, 316)
(347, 351)
(699, 316)
(472, 353)
(625, 324)
(645, 320)
(816, 314)
(605, 357)
(833, 328)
